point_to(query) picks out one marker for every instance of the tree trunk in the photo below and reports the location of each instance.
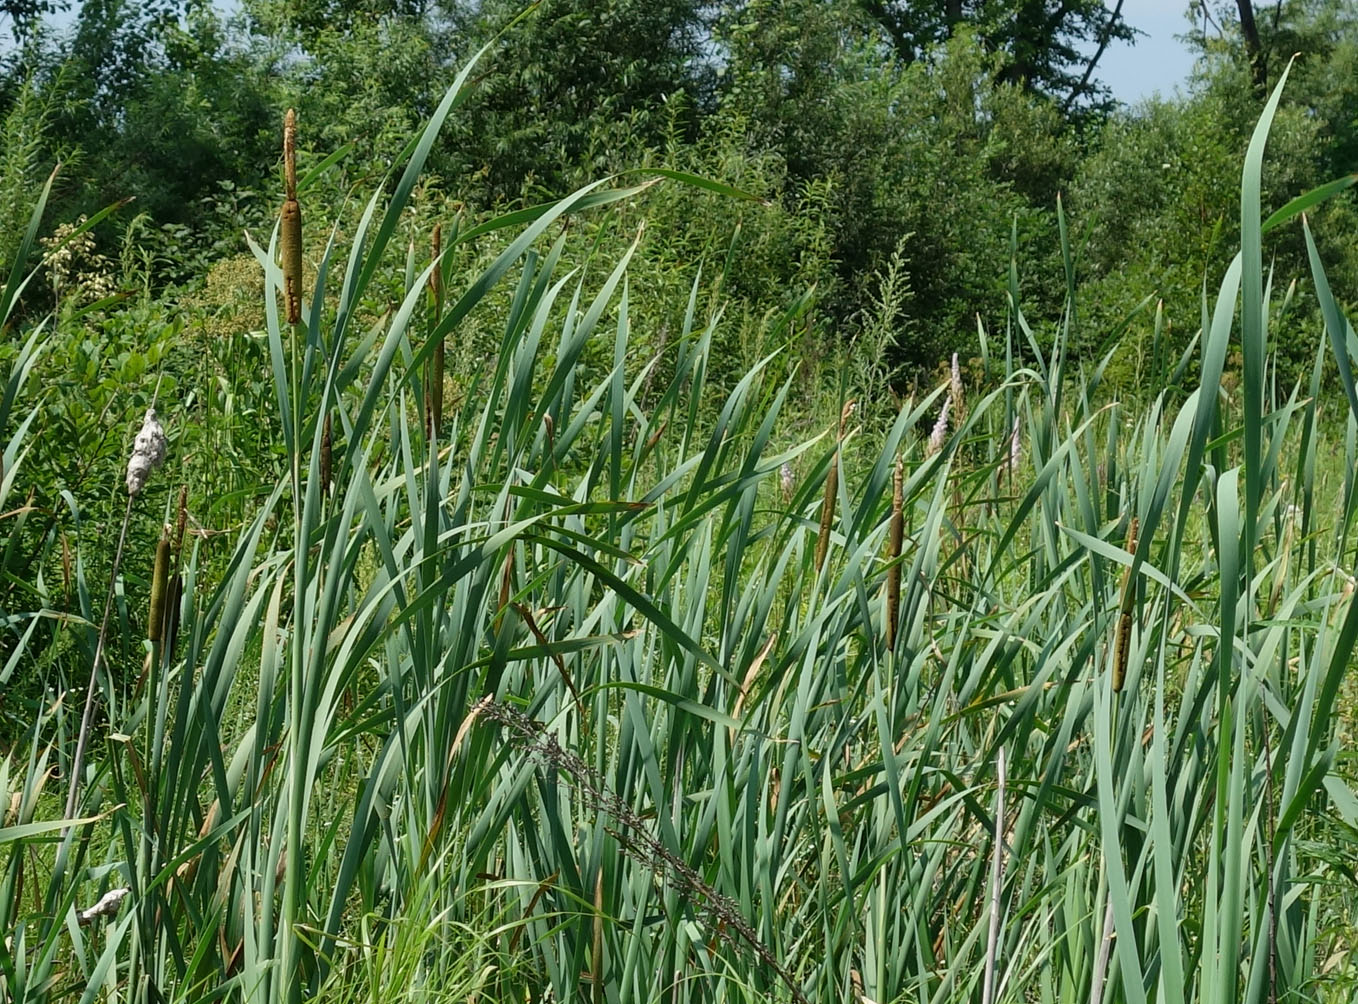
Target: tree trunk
(1253, 47)
(952, 11)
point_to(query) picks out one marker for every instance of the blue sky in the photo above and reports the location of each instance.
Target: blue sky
(1158, 61)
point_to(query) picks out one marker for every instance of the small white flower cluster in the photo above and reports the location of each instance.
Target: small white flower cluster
(75, 264)
(148, 452)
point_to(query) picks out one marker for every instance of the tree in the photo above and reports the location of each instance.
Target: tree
(1044, 41)
(25, 15)
(573, 77)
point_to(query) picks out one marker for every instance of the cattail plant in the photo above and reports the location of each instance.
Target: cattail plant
(290, 224)
(148, 453)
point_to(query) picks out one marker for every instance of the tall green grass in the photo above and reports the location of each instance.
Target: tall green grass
(560, 696)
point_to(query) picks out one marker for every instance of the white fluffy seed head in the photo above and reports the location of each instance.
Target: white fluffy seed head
(106, 907)
(148, 452)
(940, 431)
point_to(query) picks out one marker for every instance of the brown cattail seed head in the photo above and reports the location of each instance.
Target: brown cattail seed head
(148, 452)
(160, 575)
(325, 455)
(827, 511)
(290, 224)
(291, 240)
(1123, 640)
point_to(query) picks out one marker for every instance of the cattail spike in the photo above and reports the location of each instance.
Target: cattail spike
(290, 154)
(325, 455)
(160, 574)
(290, 224)
(827, 511)
(1123, 640)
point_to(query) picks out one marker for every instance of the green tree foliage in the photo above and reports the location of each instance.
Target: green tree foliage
(1044, 42)
(25, 16)
(574, 79)
(920, 139)
(939, 156)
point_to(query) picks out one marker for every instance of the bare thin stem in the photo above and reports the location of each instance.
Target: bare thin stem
(996, 883)
(73, 793)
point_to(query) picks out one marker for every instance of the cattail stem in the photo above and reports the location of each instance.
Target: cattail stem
(78, 764)
(895, 535)
(827, 509)
(436, 364)
(597, 948)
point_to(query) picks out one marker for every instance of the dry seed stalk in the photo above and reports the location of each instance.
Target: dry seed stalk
(635, 839)
(290, 226)
(895, 535)
(1122, 643)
